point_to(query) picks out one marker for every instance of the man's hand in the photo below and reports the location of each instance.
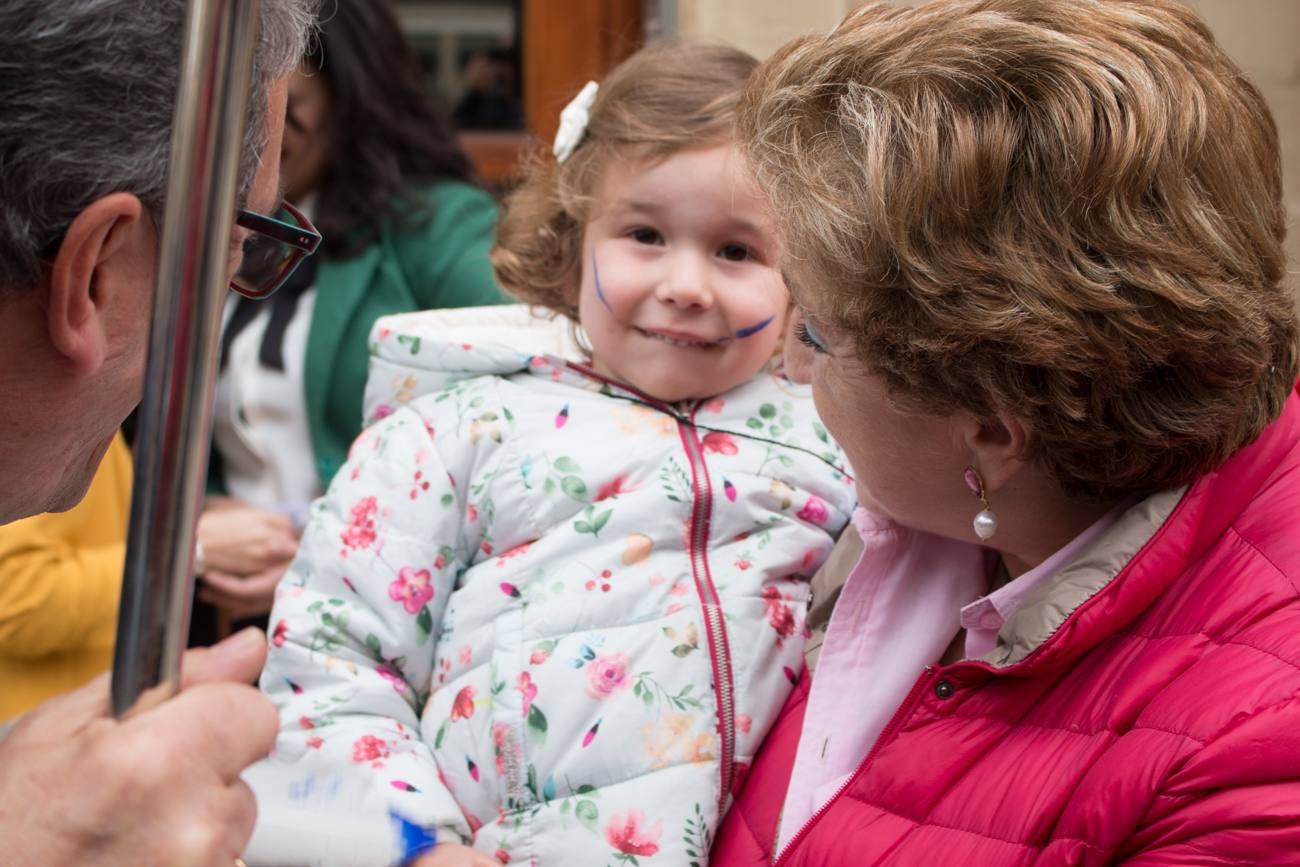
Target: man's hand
(454, 855)
(159, 788)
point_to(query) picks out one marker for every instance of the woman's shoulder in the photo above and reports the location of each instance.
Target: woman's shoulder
(456, 196)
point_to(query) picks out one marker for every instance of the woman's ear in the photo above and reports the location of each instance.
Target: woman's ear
(97, 252)
(999, 448)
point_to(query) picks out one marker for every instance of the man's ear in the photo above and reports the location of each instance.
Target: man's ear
(94, 253)
(998, 448)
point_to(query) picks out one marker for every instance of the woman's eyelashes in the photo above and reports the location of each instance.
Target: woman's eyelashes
(808, 336)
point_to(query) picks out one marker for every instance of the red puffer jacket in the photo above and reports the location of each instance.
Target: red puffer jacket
(1159, 724)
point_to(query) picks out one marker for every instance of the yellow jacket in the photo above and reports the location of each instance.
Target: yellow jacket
(60, 579)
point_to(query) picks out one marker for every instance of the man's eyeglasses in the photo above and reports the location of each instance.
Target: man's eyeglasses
(272, 250)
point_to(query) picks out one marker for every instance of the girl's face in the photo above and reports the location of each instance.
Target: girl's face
(681, 297)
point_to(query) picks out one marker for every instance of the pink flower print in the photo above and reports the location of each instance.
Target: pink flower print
(471, 513)
(742, 564)
(465, 655)
(541, 653)
(382, 411)
(502, 855)
(529, 690)
(779, 615)
(624, 833)
(720, 444)
(486, 548)
(281, 633)
(814, 512)
(305, 723)
(360, 531)
(744, 722)
(500, 737)
(369, 748)
(513, 552)
(413, 588)
(715, 406)
(614, 487)
(607, 675)
(462, 707)
(315, 742)
(393, 676)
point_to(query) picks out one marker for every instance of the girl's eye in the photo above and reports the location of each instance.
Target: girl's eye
(734, 252)
(645, 236)
(808, 336)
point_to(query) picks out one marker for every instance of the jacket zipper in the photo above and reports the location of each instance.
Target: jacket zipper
(904, 711)
(714, 624)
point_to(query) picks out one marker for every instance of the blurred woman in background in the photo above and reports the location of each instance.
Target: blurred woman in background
(372, 160)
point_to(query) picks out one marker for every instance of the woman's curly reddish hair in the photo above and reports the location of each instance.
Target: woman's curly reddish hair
(1067, 210)
(664, 98)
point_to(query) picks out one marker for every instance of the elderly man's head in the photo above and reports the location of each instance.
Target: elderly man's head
(87, 94)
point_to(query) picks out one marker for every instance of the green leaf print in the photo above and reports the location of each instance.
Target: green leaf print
(425, 623)
(442, 733)
(592, 522)
(754, 423)
(588, 814)
(821, 432)
(575, 488)
(767, 411)
(372, 643)
(567, 465)
(410, 342)
(537, 726)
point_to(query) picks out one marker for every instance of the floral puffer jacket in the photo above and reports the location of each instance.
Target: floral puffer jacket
(546, 614)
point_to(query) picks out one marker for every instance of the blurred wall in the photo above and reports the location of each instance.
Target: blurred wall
(1262, 35)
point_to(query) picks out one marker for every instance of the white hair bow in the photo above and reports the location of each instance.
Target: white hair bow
(573, 122)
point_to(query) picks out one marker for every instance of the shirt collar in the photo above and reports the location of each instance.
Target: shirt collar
(983, 618)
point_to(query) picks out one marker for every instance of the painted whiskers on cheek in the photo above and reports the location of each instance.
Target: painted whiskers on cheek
(742, 334)
(753, 329)
(600, 290)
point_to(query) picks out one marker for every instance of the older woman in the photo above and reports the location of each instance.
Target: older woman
(1037, 245)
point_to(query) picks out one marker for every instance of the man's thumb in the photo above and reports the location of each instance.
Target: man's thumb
(238, 658)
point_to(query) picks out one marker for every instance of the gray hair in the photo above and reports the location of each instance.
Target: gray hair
(87, 93)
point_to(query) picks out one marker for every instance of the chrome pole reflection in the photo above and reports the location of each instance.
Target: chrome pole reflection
(176, 413)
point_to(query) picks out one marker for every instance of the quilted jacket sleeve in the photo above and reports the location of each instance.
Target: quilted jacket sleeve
(1236, 801)
(357, 618)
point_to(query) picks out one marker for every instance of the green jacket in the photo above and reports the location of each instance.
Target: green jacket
(443, 264)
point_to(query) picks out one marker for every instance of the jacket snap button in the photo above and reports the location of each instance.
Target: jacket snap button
(944, 689)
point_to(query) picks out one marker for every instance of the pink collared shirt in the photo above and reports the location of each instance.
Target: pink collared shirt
(983, 618)
(896, 614)
(900, 608)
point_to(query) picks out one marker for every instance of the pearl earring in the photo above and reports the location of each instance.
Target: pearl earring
(985, 523)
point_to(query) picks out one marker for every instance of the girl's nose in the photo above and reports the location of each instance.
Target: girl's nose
(686, 282)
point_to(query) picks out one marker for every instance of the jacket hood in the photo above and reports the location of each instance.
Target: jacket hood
(413, 354)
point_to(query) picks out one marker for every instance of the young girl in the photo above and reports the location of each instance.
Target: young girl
(550, 610)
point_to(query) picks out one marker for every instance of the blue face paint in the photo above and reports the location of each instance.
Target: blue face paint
(754, 329)
(739, 335)
(600, 291)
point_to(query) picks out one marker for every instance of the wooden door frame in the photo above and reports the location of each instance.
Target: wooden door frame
(563, 44)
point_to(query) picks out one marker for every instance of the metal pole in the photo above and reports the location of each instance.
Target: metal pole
(176, 412)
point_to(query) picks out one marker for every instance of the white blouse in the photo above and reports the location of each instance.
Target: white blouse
(260, 424)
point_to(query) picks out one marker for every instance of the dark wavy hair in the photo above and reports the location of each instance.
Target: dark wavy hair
(389, 137)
